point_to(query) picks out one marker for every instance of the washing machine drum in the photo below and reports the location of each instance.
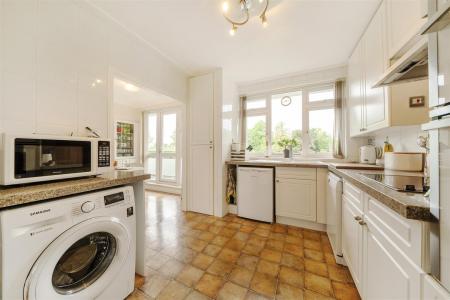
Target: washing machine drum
(81, 262)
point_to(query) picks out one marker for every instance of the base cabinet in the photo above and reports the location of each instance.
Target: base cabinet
(381, 269)
(296, 198)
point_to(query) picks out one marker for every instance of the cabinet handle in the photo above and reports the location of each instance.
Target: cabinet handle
(278, 180)
(358, 218)
(362, 223)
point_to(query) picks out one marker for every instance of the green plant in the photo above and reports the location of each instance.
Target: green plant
(287, 142)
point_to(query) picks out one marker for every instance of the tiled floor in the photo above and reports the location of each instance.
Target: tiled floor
(193, 256)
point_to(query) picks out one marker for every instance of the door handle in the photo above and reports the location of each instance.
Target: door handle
(358, 218)
(362, 223)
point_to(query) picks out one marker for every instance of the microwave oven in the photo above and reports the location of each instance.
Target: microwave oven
(36, 158)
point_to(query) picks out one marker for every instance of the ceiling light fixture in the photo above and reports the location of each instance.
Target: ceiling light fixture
(239, 12)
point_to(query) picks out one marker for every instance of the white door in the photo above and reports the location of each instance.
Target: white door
(374, 65)
(201, 97)
(201, 179)
(352, 240)
(296, 198)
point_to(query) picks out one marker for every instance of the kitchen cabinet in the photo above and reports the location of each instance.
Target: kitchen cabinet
(371, 109)
(296, 198)
(201, 179)
(201, 97)
(352, 235)
(403, 20)
(382, 249)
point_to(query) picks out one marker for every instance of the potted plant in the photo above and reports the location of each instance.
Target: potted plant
(287, 144)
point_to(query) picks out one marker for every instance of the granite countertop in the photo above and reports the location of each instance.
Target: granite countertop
(17, 195)
(409, 205)
(279, 163)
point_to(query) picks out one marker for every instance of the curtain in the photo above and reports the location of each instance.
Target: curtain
(242, 124)
(338, 120)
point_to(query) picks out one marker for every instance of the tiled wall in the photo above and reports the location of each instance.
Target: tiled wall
(403, 138)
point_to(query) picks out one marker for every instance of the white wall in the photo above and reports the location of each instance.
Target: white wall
(57, 62)
(403, 138)
(132, 115)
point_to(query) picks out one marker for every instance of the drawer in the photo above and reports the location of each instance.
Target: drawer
(405, 234)
(296, 173)
(353, 194)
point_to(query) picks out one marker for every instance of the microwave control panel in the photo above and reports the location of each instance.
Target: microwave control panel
(104, 153)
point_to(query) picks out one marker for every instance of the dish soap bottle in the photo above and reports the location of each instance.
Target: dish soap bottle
(388, 146)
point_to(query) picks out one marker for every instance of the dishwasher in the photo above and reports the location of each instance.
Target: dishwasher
(255, 193)
(334, 216)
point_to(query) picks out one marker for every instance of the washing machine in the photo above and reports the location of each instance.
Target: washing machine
(81, 247)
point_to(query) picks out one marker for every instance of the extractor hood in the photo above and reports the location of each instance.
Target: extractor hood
(412, 66)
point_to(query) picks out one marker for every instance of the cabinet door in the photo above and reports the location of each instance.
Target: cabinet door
(201, 179)
(404, 19)
(201, 97)
(296, 198)
(352, 240)
(374, 65)
(355, 99)
(388, 273)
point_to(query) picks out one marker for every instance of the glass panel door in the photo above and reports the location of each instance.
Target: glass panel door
(161, 146)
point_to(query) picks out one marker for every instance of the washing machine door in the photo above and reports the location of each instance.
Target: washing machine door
(81, 262)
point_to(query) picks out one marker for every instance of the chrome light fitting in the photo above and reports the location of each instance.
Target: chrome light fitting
(238, 12)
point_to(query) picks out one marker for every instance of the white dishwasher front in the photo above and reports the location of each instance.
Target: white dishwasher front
(255, 193)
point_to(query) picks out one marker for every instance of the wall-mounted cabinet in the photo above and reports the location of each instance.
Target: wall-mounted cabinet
(371, 108)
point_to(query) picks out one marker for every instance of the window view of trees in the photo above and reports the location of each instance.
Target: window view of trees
(280, 132)
(320, 140)
(256, 136)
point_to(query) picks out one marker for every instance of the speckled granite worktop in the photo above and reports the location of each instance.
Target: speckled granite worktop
(409, 205)
(17, 195)
(279, 163)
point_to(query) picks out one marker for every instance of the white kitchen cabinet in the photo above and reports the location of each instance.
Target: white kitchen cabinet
(201, 179)
(432, 290)
(296, 198)
(201, 97)
(403, 19)
(382, 249)
(374, 62)
(355, 79)
(352, 239)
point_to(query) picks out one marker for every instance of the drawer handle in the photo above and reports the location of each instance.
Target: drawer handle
(362, 223)
(358, 218)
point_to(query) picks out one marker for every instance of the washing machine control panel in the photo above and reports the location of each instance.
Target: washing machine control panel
(87, 206)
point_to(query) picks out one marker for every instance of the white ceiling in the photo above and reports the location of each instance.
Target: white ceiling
(126, 93)
(302, 34)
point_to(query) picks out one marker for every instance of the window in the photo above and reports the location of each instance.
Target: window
(124, 139)
(306, 115)
(161, 145)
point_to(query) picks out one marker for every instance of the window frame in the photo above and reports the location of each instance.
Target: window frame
(307, 106)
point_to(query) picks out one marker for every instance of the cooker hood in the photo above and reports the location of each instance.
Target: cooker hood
(412, 66)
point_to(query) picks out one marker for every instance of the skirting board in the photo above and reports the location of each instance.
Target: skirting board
(232, 209)
(162, 188)
(301, 223)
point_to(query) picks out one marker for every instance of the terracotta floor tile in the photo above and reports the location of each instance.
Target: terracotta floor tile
(190, 275)
(279, 228)
(206, 236)
(173, 290)
(340, 274)
(154, 286)
(171, 268)
(255, 296)
(202, 261)
(278, 236)
(313, 254)
(257, 240)
(330, 259)
(293, 249)
(251, 249)
(310, 295)
(293, 261)
(220, 240)
(202, 226)
(311, 235)
(138, 295)
(227, 232)
(138, 281)
(275, 244)
(248, 261)
(241, 276)
(220, 268)
(194, 295)
(316, 267)
(295, 231)
(247, 228)
(271, 255)
(235, 244)
(314, 245)
(319, 284)
(261, 232)
(212, 250)
(268, 268)
(214, 229)
(228, 255)
(292, 277)
(231, 291)
(156, 261)
(263, 284)
(209, 285)
(345, 291)
(196, 244)
(288, 292)
(242, 236)
(294, 240)
(234, 226)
